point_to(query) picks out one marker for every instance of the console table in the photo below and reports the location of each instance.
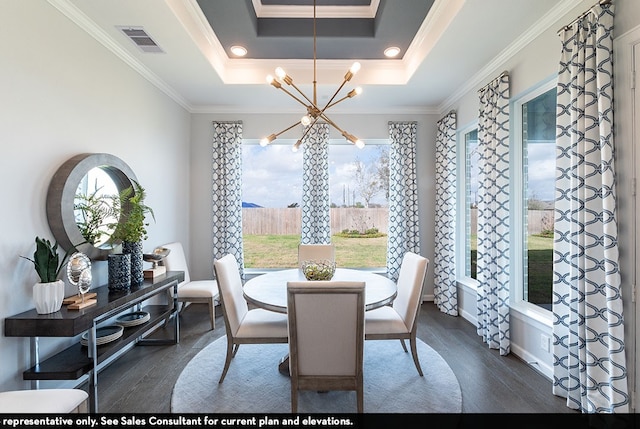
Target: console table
(78, 360)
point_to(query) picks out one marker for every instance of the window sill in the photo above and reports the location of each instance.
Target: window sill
(468, 283)
(526, 311)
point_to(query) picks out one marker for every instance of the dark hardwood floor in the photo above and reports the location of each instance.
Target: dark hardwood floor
(141, 380)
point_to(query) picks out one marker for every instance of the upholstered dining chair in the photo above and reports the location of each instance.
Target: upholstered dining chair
(400, 320)
(203, 291)
(47, 401)
(244, 326)
(315, 252)
(326, 337)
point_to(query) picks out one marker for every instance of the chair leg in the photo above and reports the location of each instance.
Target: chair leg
(227, 360)
(235, 350)
(404, 346)
(414, 352)
(360, 399)
(181, 306)
(294, 397)
(212, 314)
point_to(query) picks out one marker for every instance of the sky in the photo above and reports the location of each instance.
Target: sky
(541, 169)
(272, 175)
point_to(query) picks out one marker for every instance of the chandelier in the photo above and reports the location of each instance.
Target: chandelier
(313, 111)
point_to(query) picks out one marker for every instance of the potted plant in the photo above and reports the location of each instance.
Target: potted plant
(93, 213)
(49, 292)
(131, 229)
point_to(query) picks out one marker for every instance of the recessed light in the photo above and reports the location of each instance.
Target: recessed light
(391, 52)
(239, 51)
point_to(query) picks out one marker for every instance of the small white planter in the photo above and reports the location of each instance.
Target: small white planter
(48, 296)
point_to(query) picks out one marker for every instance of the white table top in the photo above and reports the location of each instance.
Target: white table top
(269, 291)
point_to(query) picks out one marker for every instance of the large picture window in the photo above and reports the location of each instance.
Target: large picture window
(536, 129)
(467, 235)
(272, 196)
(472, 157)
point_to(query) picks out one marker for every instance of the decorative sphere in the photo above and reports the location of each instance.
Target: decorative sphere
(78, 262)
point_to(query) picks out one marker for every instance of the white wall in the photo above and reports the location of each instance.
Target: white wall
(63, 93)
(256, 126)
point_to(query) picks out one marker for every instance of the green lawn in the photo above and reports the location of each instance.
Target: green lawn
(540, 271)
(281, 251)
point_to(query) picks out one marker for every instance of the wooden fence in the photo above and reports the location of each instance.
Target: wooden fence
(537, 220)
(287, 221)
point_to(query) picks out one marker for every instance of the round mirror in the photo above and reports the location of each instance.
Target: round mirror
(79, 202)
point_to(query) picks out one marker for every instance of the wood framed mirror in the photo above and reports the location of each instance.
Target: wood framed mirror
(95, 173)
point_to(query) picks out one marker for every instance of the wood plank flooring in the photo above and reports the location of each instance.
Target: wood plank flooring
(141, 380)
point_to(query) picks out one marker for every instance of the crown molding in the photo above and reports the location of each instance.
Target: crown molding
(440, 15)
(496, 65)
(81, 20)
(235, 110)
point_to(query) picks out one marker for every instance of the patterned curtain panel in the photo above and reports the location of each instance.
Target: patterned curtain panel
(493, 215)
(227, 191)
(588, 333)
(444, 262)
(404, 231)
(316, 204)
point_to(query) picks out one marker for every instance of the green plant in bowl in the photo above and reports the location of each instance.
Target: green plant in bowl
(318, 270)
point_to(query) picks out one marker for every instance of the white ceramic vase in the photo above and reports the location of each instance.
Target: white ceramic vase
(48, 296)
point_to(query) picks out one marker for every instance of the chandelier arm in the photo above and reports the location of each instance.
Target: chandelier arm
(306, 131)
(304, 95)
(287, 129)
(334, 95)
(336, 102)
(330, 122)
(294, 97)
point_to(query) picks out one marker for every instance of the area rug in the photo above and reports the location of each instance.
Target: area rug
(254, 385)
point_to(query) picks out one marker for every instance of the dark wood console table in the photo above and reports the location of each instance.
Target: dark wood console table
(78, 360)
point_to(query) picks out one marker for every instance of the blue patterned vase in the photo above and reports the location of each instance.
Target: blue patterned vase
(119, 267)
(134, 248)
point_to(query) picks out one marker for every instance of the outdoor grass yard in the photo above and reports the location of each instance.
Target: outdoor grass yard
(540, 263)
(281, 251)
(540, 271)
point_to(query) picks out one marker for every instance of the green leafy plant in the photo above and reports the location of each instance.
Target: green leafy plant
(47, 261)
(133, 212)
(95, 209)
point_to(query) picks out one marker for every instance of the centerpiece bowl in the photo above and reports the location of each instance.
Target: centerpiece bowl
(318, 270)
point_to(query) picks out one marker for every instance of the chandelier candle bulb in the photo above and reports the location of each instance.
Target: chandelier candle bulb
(265, 141)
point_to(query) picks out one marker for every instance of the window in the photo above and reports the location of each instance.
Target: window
(535, 130)
(468, 158)
(272, 197)
(471, 202)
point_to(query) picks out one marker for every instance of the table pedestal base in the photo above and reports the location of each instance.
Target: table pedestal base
(283, 366)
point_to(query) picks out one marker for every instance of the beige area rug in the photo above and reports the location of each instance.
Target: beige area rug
(254, 385)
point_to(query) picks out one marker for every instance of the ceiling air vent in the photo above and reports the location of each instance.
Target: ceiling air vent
(141, 39)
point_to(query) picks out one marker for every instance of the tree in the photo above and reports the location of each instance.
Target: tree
(382, 170)
(366, 181)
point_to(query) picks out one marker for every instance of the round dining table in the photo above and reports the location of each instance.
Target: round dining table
(269, 290)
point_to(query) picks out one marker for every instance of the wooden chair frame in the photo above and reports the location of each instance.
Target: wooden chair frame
(233, 341)
(325, 382)
(411, 334)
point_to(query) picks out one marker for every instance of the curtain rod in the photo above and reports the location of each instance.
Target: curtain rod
(583, 14)
(504, 73)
